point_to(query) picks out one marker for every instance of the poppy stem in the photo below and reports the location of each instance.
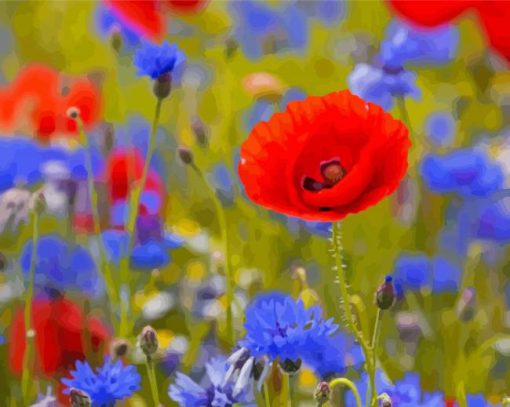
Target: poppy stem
(375, 340)
(94, 201)
(343, 381)
(220, 212)
(151, 373)
(346, 304)
(134, 204)
(29, 331)
(266, 395)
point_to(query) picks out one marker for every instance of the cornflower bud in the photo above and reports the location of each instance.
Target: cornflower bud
(386, 295)
(322, 393)
(148, 341)
(185, 154)
(79, 398)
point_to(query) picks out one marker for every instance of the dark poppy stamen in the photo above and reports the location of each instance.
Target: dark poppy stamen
(312, 185)
(332, 172)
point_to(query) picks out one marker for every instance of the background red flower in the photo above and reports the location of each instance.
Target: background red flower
(493, 15)
(59, 326)
(324, 157)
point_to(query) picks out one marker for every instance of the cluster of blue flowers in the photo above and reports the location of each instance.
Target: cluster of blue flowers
(387, 77)
(61, 266)
(110, 383)
(469, 173)
(277, 328)
(262, 29)
(417, 272)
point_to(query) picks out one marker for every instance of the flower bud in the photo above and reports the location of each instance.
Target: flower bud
(119, 348)
(466, 304)
(386, 295)
(199, 131)
(385, 400)
(185, 154)
(322, 393)
(231, 46)
(38, 202)
(290, 367)
(116, 38)
(79, 398)
(163, 86)
(148, 340)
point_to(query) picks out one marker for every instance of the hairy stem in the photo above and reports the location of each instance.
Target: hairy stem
(342, 381)
(151, 373)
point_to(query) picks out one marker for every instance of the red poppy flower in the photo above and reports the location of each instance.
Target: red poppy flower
(429, 13)
(493, 15)
(143, 17)
(324, 157)
(39, 98)
(186, 6)
(121, 166)
(59, 336)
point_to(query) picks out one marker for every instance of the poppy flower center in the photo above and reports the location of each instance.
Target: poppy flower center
(332, 172)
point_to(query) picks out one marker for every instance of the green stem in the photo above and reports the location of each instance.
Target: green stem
(220, 212)
(375, 340)
(266, 395)
(404, 114)
(345, 300)
(134, 203)
(286, 390)
(104, 264)
(29, 333)
(151, 373)
(342, 381)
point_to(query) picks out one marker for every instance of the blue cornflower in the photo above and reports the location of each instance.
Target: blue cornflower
(494, 221)
(110, 383)
(278, 326)
(469, 173)
(15, 171)
(262, 29)
(403, 393)
(405, 44)
(152, 246)
(157, 60)
(382, 85)
(214, 393)
(326, 11)
(62, 266)
(331, 356)
(414, 272)
(440, 128)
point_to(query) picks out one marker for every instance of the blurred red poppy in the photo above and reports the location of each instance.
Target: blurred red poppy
(59, 336)
(493, 15)
(143, 17)
(147, 17)
(125, 165)
(324, 157)
(38, 99)
(186, 6)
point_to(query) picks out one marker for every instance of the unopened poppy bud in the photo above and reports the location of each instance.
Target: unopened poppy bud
(291, 367)
(120, 348)
(185, 154)
(199, 131)
(386, 295)
(322, 393)
(73, 112)
(149, 340)
(38, 202)
(79, 398)
(163, 86)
